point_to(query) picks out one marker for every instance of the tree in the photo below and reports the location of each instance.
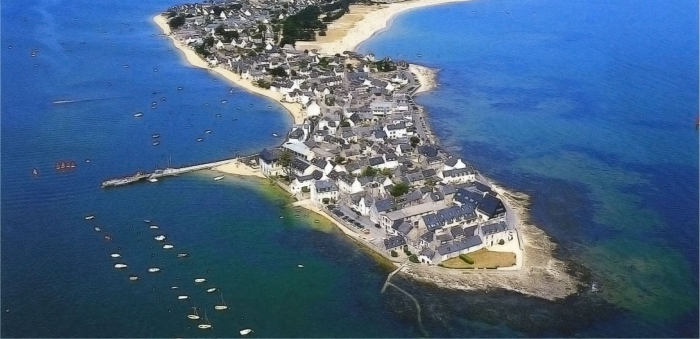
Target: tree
(263, 84)
(278, 72)
(369, 171)
(399, 189)
(285, 161)
(415, 141)
(429, 182)
(386, 172)
(176, 22)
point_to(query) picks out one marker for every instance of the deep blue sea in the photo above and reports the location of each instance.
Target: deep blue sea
(588, 107)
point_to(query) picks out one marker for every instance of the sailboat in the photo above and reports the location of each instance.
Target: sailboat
(207, 325)
(223, 305)
(194, 316)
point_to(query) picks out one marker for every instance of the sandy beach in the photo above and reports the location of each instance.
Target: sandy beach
(426, 75)
(293, 108)
(351, 29)
(238, 168)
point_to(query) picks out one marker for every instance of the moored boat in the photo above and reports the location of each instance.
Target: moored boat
(167, 246)
(218, 178)
(153, 270)
(159, 237)
(199, 280)
(245, 331)
(90, 217)
(120, 266)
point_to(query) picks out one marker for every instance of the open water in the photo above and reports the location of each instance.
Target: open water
(592, 118)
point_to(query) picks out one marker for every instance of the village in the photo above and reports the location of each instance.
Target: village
(364, 153)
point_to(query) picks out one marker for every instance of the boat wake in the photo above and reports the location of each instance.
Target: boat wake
(61, 102)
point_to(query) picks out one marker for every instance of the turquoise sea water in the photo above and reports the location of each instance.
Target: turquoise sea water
(594, 123)
(589, 107)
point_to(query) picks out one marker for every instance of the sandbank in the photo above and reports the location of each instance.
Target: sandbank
(195, 60)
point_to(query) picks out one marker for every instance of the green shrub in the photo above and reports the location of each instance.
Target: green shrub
(413, 258)
(466, 259)
(394, 254)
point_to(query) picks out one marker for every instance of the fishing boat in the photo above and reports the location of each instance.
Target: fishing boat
(115, 255)
(182, 297)
(218, 178)
(199, 280)
(98, 229)
(193, 316)
(159, 237)
(223, 305)
(167, 246)
(245, 331)
(210, 290)
(153, 270)
(138, 114)
(182, 255)
(207, 324)
(90, 217)
(120, 266)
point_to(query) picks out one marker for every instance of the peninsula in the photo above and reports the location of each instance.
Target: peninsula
(360, 151)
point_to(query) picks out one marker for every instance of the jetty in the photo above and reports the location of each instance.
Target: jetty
(159, 173)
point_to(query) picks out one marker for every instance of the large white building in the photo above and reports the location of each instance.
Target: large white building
(323, 189)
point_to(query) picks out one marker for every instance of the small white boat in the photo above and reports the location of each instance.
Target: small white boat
(210, 290)
(199, 280)
(153, 227)
(199, 139)
(87, 160)
(207, 324)
(193, 316)
(153, 270)
(245, 331)
(179, 88)
(218, 178)
(224, 101)
(133, 277)
(275, 135)
(120, 266)
(159, 237)
(174, 288)
(153, 180)
(207, 131)
(182, 255)
(167, 246)
(182, 297)
(155, 143)
(147, 221)
(116, 255)
(223, 305)
(139, 114)
(98, 229)
(90, 217)
(300, 266)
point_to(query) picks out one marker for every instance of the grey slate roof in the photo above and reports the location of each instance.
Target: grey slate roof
(269, 156)
(494, 228)
(460, 245)
(394, 242)
(491, 206)
(384, 205)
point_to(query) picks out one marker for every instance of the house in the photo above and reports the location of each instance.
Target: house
(394, 242)
(453, 163)
(457, 176)
(426, 256)
(298, 149)
(495, 232)
(302, 182)
(490, 208)
(379, 207)
(381, 108)
(412, 214)
(351, 185)
(361, 202)
(396, 131)
(268, 162)
(455, 248)
(313, 109)
(324, 189)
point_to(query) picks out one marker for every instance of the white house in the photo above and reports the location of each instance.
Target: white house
(268, 163)
(495, 232)
(323, 189)
(396, 131)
